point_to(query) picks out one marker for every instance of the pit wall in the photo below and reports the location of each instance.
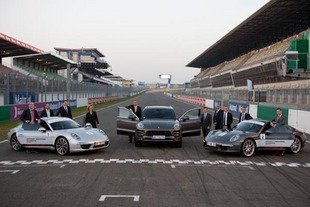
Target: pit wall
(296, 118)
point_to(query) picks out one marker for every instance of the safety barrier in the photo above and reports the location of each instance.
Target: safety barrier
(296, 118)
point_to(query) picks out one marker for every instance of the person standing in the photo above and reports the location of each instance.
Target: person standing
(91, 116)
(30, 115)
(227, 119)
(244, 115)
(47, 112)
(218, 117)
(136, 109)
(205, 122)
(279, 118)
(65, 110)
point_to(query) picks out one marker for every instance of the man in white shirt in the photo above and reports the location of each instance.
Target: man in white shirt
(47, 112)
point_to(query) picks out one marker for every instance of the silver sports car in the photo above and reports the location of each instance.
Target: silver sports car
(59, 133)
(251, 135)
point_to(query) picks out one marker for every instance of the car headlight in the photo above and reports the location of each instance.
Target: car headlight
(234, 138)
(140, 125)
(177, 126)
(75, 136)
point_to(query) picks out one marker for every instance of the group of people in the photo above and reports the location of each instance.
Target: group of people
(223, 119)
(31, 116)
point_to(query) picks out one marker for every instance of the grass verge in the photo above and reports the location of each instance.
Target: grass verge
(7, 125)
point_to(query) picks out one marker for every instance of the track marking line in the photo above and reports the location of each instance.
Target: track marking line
(173, 162)
(3, 141)
(9, 171)
(136, 198)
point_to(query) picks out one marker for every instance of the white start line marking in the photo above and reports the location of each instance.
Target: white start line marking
(174, 162)
(9, 171)
(136, 198)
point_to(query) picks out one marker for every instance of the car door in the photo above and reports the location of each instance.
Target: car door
(126, 121)
(279, 136)
(31, 136)
(190, 122)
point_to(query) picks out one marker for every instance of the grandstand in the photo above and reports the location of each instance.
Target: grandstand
(260, 49)
(90, 63)
(35, 75)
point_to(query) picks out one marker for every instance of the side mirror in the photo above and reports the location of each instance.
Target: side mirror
(184, 118)
(42, 129)
(88, 125)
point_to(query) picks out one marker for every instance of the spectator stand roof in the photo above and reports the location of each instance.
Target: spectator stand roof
(85, 51)
(275, 21)
(47, 59)
(10, 47)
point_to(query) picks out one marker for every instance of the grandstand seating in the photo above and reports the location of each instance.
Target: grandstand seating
(260, 66)
(92, 72)
(7, 70)
(40, 73)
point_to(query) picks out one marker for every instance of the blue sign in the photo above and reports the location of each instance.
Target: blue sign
(217, 103)
(21, 97)
(235, 107)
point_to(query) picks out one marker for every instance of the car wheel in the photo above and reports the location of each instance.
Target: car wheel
(15, 144)
(178, 144)
(248, 148)
(138, 144)
(296, 146)
(62, 146)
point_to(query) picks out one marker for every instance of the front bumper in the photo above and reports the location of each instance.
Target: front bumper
(89, 146)
(222, 147)
(158, 136)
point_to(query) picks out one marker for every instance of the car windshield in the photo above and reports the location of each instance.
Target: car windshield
(158, 114)
(64, 125)
(248, 127)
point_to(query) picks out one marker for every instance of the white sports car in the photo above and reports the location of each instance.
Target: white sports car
(59, 133)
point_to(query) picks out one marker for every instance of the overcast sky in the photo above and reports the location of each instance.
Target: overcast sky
(140, 38)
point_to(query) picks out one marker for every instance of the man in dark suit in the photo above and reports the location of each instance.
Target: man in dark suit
(218, 117)
(205, 122)
(227, 119)
(244, 115)
(47, 112)
(65, 110)
(136, 109)
(279, 119)
(30, 115)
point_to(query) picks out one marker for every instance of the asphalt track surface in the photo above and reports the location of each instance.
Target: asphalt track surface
(152, 175)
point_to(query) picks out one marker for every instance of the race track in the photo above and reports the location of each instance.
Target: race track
(152, 175)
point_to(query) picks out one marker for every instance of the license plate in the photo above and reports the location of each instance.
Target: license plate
(212, 144)
(98, 143)
(158, 137)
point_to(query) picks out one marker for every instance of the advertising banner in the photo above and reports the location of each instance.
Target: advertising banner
(21, 97)
(235, 107)
(217, 103)
(17, 109)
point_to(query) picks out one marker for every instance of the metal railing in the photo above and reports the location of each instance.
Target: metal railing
(48, 89)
